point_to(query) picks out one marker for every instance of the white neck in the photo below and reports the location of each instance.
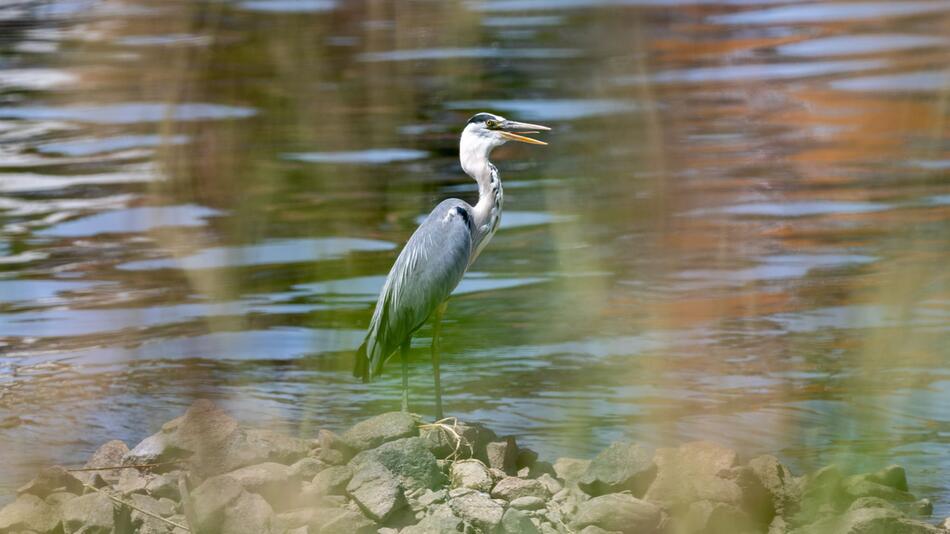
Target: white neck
(473, 154)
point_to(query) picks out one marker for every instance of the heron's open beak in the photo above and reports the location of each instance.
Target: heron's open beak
(513, 129)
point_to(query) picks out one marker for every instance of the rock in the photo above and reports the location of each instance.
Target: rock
(249, 514)
(527, 502)
(870, 502)
(922, 508)
(333, 480)
(471, 474)
(383, 428)
(869, 521)
(93, 513)
(270, 480)
(211, 499)
(131, 481)
(517, 522)
(513, 487)
(333, 450)
(109, 454)
(340, 520)
(526, 458)
(594, 529)
(435, 524)
(618, 512)
(52, 479)
(265, 445)
(57, 498)
(705, 517)
(214, 443)
(702, 471)
(163, 486)
(407, 458)
(778, 481)
(203, 426)
(858, 486)
(163, 508)
(478, 509)
(29, 513)
(502, 455)
(570, 470)
(293, 519)
(307, 468)
(429, 498)
(621, 467)
(550, 483)
(466, 440)
(376, 490)
(892, 476)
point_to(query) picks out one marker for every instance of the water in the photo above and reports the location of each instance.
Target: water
(738, 231)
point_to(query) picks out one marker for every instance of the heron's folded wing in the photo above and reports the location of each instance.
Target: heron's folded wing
(427, 270)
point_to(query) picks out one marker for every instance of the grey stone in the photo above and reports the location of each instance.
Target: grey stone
(869, 521)
(340, 520)
(163, 508)
(429, 497)
(570, 470)
(333, 450)
(108, 455)
(690, 473)
(478, 509)
(163, 486)
(550, 483)
(52, 479)
(619, 512)
(293, 519)
(594, 529)
(211, 500)
(527, 502)
(621, 467)
(131, 481)
(214, 443)
(783, 488)
(705, 517)
(893, 476)
(376, 490)
(503, 455)
(168, 504)
(471, 474)
(93, 513)
(435, 524)
(307, 468)
(466, 440)
(383, 428)
(513, 487)
(29, 513)
(248, 514)
(273, 481)
(922, 508)
(870, 502)
(333, 480)
(861, 486)
(407, 458)
(57, 498)
(517, 522)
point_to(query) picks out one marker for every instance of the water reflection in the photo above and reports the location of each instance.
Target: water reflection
(737, 232)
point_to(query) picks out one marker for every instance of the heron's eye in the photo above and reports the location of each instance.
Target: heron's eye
(491, 124)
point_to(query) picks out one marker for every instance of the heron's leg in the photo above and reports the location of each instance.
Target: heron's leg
(404, 356)
(436, 330)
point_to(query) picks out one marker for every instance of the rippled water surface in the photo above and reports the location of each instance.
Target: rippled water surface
(739, 232)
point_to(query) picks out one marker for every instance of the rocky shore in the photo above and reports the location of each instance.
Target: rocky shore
(205, 473)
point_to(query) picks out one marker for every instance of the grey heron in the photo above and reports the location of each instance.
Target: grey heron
(437, 255)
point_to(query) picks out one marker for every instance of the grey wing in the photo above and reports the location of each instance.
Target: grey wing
(425, 273)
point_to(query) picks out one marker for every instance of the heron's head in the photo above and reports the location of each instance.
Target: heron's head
(490, 130)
